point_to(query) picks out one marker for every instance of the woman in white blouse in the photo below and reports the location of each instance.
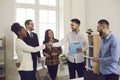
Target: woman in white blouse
(24, 62)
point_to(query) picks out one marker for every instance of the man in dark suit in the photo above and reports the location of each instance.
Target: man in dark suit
(32, 40)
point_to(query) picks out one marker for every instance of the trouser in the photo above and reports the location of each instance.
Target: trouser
(111, 77)
(34, 68)
(53, 71)
(26, 75)
(73, 67)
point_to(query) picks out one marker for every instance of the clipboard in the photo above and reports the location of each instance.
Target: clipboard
(74, 46)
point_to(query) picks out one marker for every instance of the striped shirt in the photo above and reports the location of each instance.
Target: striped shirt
(72, 37)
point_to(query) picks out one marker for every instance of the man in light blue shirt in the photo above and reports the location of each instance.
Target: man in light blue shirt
(109, 52)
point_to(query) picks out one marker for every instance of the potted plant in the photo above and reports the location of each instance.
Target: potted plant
(89, 31)
(63, 58)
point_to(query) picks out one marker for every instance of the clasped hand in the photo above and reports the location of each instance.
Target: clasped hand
(49, 44)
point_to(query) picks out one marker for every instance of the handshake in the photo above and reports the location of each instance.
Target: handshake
(49, 44)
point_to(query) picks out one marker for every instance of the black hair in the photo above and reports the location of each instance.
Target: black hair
(46, 39)
(76, 21)
(27, 22)
(16, 28)
(103, 21)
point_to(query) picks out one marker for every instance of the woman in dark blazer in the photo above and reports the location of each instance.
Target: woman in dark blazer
(51, 54)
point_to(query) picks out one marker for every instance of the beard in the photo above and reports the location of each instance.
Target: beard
(101, 33)
(32, 29)
(73, 29)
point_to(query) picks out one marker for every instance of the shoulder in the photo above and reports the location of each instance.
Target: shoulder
(113, 37)
(19, 41)
(83, 33)
(114, 40)
(56, 40)
(34, 33)
(68, 34)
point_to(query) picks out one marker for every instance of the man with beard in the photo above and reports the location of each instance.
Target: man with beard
(75, 59)
(109, 52)
(32, 40)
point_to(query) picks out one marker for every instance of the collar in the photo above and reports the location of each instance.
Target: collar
(75, 32)
(29, 32)
(108, 37)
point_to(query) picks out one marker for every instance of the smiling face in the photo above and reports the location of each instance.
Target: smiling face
(50, 34)
(74, 26)
(30, 26)
(22, 32)
(102, 29)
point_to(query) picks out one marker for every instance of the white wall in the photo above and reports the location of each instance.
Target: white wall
(78, 10)
(6, 19)
(70, 9)
(74, 9)
(107, 9)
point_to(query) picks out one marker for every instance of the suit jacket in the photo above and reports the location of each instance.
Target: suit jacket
(34, 43)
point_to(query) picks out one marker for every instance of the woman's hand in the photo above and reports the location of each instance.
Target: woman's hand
(17, 64)
(39, 60)
(54, 54)
(48, 45)
(46, 55)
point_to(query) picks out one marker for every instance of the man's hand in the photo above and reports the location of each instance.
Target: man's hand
(48, 45)
(17, 64)
(39, 60)
(54, 54)
(46, 55)
(96, 60)
(79, 49)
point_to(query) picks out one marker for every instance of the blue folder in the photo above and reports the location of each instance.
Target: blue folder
(73, 48)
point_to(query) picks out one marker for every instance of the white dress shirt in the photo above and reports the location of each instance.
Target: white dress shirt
(24, 54)
(29, 32)
(72, 37)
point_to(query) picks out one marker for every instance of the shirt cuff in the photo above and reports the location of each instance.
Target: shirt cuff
(18, 61)
(42, 47)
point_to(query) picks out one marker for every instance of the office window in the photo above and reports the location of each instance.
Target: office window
(26, 1)
(24, 13)
(44, 13)
(47, 20)
(47, 2)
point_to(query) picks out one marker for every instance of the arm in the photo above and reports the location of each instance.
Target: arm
(85, 44)
(58, 44)
(37, 44)
(24, 47)
(114, 51)
(45, 51)
(59, 50)
(18, 56)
